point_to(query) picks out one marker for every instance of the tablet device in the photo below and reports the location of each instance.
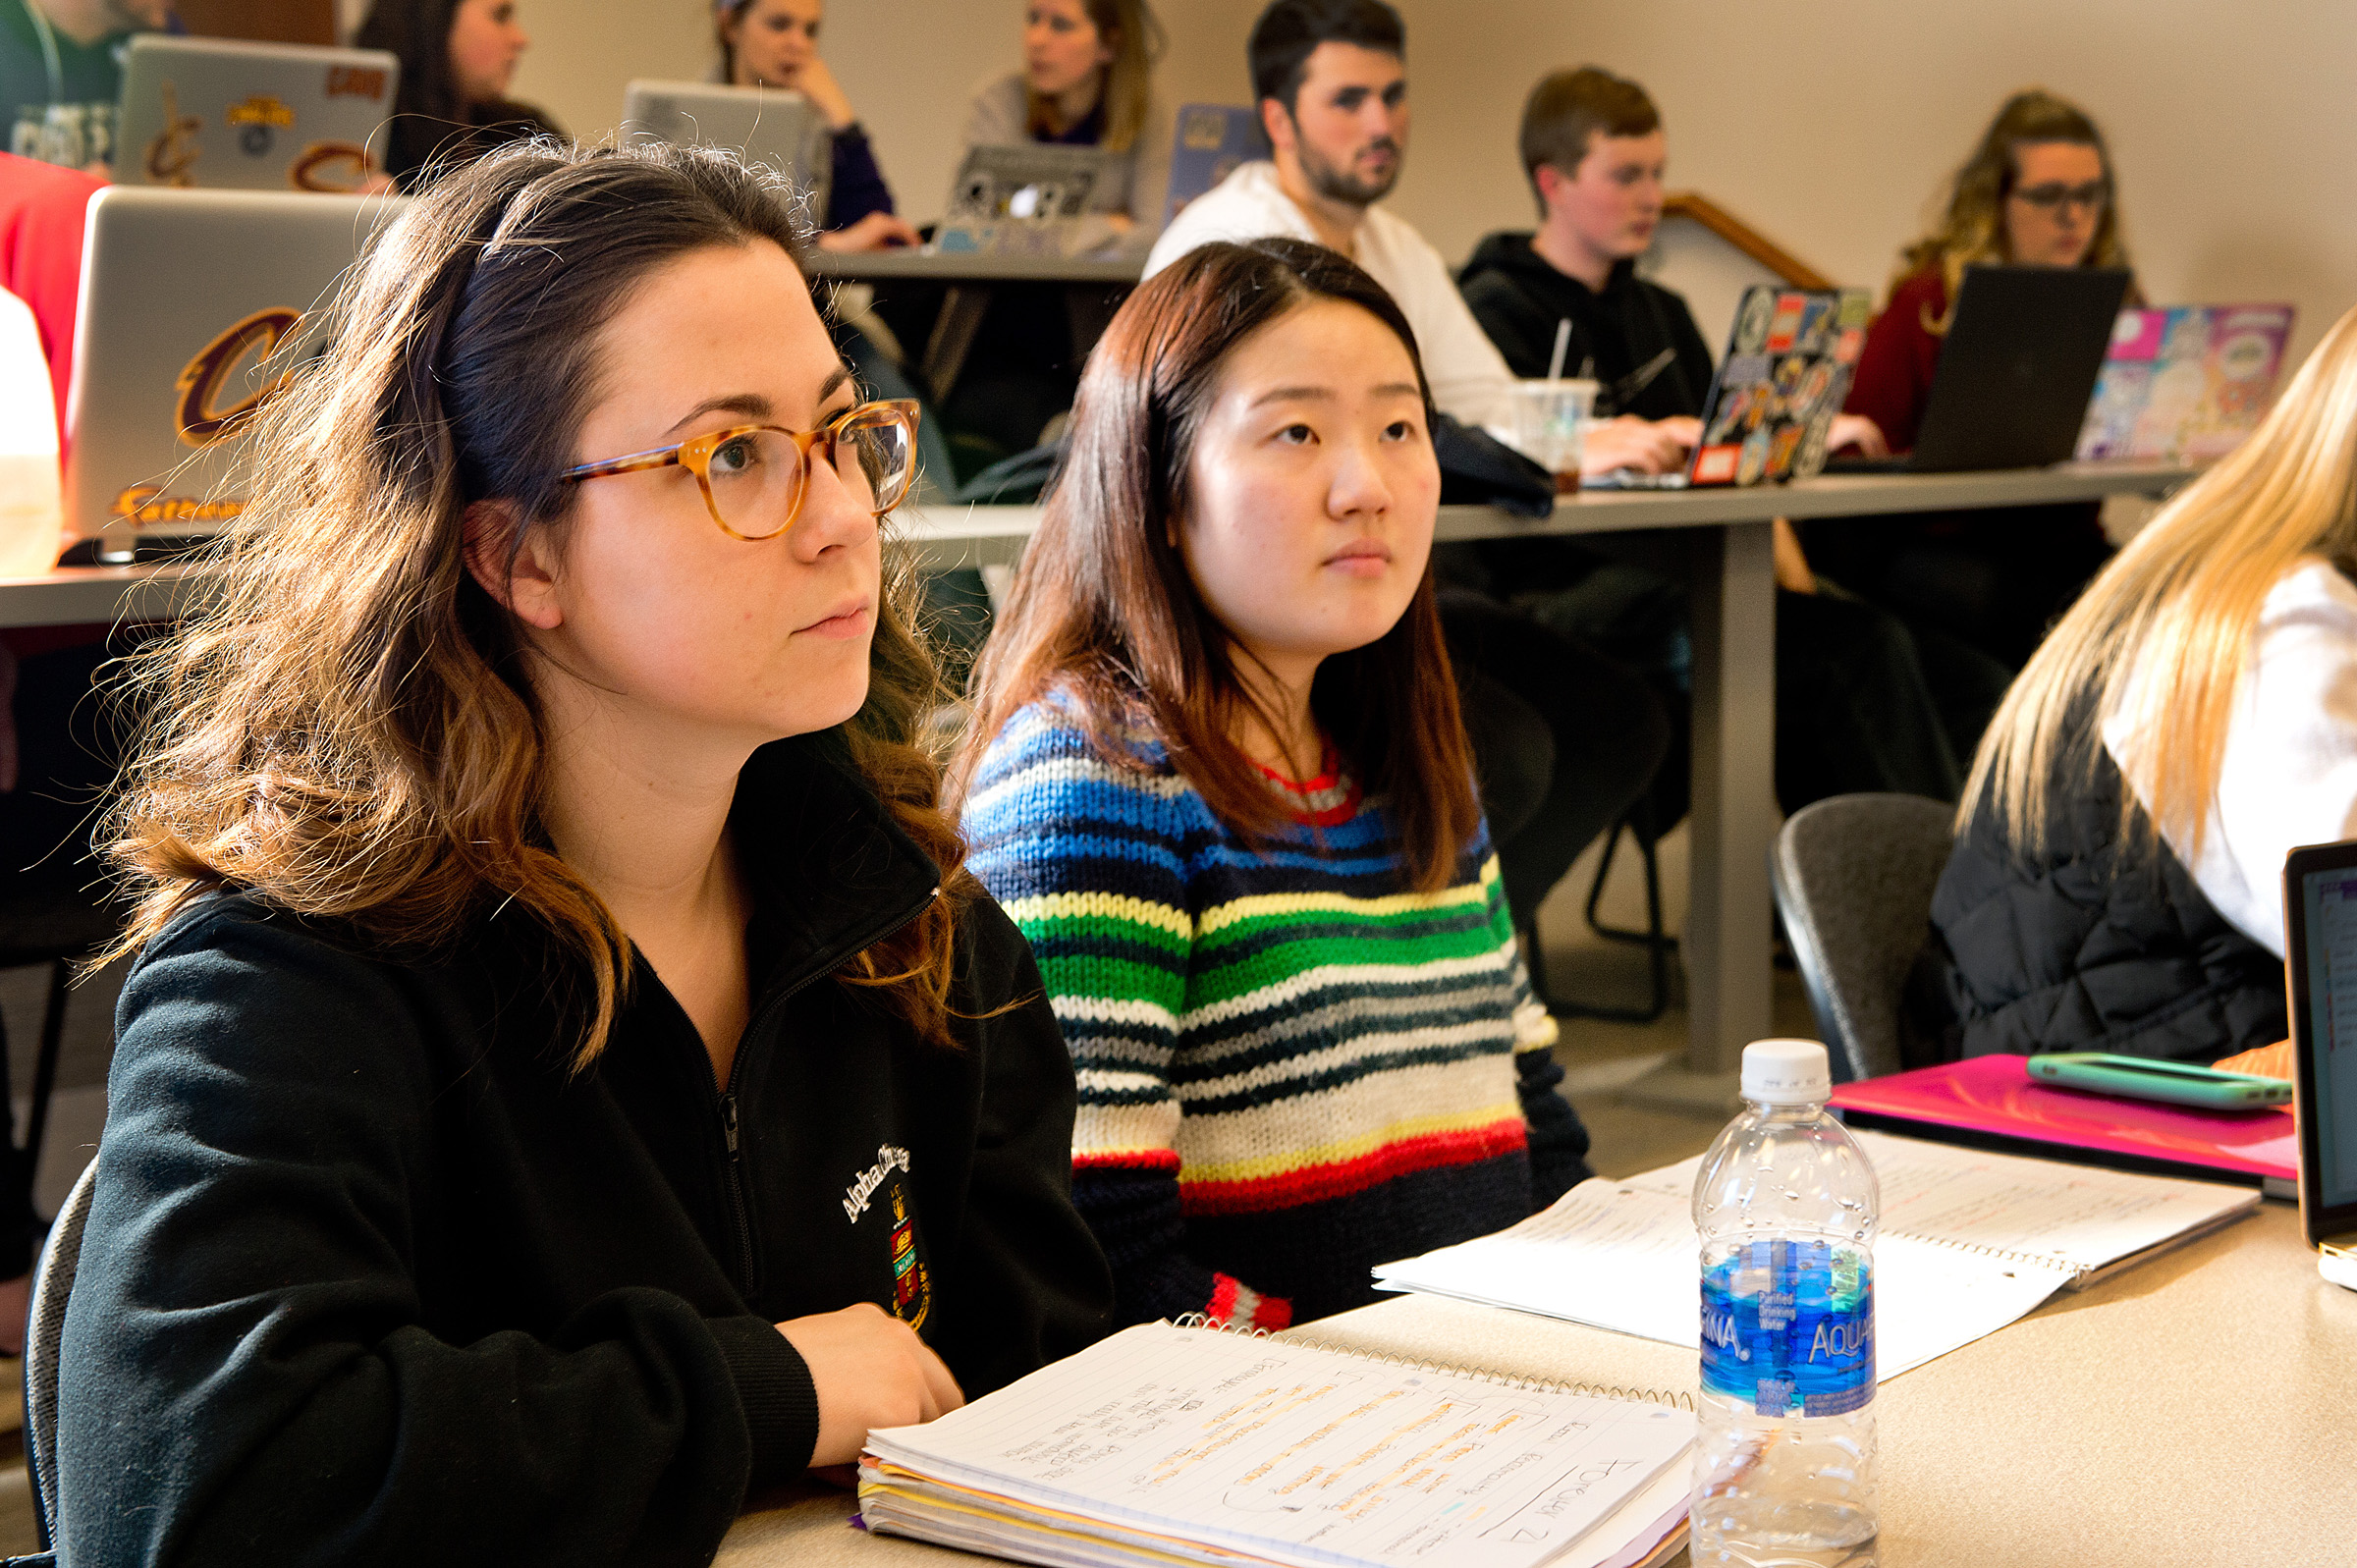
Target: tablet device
(2320, 973)
(208, 114)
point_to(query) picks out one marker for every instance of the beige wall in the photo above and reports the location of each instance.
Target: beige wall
(1825, 123)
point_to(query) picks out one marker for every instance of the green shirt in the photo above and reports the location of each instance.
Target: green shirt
(68, 117)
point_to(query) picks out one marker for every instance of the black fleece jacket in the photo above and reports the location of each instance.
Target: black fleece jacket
(1620, 335)
(370, 1277)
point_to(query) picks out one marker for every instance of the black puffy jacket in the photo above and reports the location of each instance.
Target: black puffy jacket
(2096, 943)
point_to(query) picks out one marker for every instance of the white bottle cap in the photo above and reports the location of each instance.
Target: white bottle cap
(1786, 1072)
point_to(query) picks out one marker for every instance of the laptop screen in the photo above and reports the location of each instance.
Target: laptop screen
(2329, 902)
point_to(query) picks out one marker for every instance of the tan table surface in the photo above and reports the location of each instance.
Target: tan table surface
(2198, 1409)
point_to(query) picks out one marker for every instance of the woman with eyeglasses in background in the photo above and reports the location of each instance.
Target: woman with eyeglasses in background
(567, 1080)
(774, 43)
(2037, 190)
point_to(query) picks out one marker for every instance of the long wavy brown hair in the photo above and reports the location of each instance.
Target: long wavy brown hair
(1104, 610)
(348, 730)
(1138, 44)
(1972, 230)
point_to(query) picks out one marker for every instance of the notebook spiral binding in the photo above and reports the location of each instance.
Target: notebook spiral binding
(1447, 1368)
(2006, 1254)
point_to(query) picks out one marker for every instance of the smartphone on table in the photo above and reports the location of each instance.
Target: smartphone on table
(2177, 1083)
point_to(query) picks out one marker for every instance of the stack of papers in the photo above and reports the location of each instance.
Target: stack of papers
(1970, 1242)
(1165, 1445)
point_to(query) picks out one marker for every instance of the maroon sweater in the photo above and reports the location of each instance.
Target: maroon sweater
(1894, 372)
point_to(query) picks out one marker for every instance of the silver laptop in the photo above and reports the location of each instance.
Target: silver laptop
(194, 306)
(782, 130)
(1028, 199)
(205, 114)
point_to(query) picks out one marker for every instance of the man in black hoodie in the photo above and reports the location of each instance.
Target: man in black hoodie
(1864, 702)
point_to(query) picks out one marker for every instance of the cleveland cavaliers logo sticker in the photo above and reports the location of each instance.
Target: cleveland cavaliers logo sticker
(335, 167)
(172, 153)
(201, 417)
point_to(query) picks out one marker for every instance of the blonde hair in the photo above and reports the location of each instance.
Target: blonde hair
(348, 730)
(1973, 228)
(1128, 81)
(2162, 636)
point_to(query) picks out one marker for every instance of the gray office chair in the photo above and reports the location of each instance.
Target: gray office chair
(44, 1326)
(1853, 879)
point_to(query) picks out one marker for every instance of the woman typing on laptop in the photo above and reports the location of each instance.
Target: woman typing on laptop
(2037, 190)
(2116, 881)
(567, 1080)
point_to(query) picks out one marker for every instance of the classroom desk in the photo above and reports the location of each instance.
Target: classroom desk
(2193, 1411)
(1729, 558)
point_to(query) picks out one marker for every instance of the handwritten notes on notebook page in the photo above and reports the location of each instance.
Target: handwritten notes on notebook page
(1969, 1243)
(1162, 1442)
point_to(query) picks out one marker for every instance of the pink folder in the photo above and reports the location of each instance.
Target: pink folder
(1996, 1096)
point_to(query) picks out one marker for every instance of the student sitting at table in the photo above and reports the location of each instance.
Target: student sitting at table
(2118, 878)
(567, 1080)
(1864, 702)
(2037, 192)
(1217, 775)
(1565, 739)
(458, 58)
(1087, 81)
(774, 43)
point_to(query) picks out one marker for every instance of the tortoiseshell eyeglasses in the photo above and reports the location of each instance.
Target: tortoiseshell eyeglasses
(754, 476)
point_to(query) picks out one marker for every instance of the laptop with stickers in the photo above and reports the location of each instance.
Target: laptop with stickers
(1030, 201)
(195, 307)
(208, 114)
(1770, 410)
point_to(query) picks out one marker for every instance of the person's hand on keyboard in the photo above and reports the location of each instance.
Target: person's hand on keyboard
(1644, 445)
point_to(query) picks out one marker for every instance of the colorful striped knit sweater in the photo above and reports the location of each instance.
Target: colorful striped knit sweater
(1289, 1069)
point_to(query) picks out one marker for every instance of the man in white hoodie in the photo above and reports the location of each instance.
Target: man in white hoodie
(1330, 78)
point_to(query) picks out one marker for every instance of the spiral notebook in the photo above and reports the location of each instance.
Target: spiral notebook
(1970, 1242)
(1170, 1444)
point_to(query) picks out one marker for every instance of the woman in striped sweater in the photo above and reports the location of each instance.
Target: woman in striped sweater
(1218, 777)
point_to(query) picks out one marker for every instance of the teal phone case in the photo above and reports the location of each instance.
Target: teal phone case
(2169, 1082)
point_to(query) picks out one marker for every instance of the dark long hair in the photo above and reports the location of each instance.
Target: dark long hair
(430, 121)
(1102, 608)
(346, 731)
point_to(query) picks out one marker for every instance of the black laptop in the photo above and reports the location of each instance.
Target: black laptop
(2024, 346)
(2320, 943)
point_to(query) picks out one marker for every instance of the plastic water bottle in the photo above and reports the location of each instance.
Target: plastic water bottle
(1785, 1205)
